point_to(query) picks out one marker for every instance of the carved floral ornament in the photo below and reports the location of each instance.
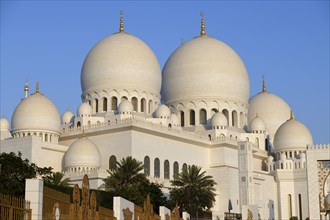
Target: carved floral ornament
(323, 170)
(127, 214)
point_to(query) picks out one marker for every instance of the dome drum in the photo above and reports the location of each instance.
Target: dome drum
(108, 101)
(204, 110)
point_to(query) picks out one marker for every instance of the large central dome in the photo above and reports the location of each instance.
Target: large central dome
(121, 61)
(205, 68)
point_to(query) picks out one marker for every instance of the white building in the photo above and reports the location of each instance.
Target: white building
(262, 158)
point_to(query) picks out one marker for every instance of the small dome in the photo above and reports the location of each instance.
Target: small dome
(67, 117)
(82, 153)
(270, 159)
(4, 124)
(292, 135)
(84, 110)
(273, 110)
(121, 61)
(219, 119)
(36, 112)
(163, 112)
(257, 124)
(205, 68)
(175, 119)
(125, 107)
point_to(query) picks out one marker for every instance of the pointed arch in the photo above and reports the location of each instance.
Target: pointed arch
(202, 117)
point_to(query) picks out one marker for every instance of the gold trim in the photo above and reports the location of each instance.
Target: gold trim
(203, 33)
(121, 24)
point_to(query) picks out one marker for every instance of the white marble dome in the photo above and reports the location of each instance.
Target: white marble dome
(205, 68)
(292, 135)
(219, 119)
(273, 110)
(84, 110)
(82, 153)
(257, 124)
(125, 107)
(37, 113)
(67, 117)
(4, 124)
(163, 112)
(121, 62)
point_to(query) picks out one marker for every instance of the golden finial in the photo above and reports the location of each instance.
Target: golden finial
(26, 87)
(291, 115)
(121, 27)
(202, 24)
(263, 84)
(37, 87)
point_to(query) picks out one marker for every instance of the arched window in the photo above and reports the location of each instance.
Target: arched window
(156, 168)
(135, 104)
(78, 124)
(192, 117)
(175, 168)
(182, 118)
(257, 142)
(150, 106)
(96, 105)
(289, 206)
(213, 111)
(143, 105)
(112, 162)
(202, 117)
(166, 169)
(147, 165)
(226, 113)
(241, 120)
(300, 206)
(114, 103)
(105, 104)
(234, 118)
(184, 166)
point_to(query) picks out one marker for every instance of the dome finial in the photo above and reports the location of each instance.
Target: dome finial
(37, 87)
(263, 84)
(291, 114)
(202, 24)
(121, 25)
(26, 88)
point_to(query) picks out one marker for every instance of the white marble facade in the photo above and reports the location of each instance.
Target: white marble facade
(262, 158)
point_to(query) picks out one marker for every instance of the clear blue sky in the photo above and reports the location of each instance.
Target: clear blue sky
(288, 41)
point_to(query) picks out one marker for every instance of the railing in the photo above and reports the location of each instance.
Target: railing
(13, 208)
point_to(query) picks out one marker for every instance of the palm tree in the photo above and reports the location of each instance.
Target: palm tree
(193, 190)
(126, 173)
(56, 179)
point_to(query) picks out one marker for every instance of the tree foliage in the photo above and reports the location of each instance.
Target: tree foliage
(193, 190)
(56, 179)
(14, 171)
(127, 181)
(126, 173)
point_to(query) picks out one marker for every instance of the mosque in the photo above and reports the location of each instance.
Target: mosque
(197, 110)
